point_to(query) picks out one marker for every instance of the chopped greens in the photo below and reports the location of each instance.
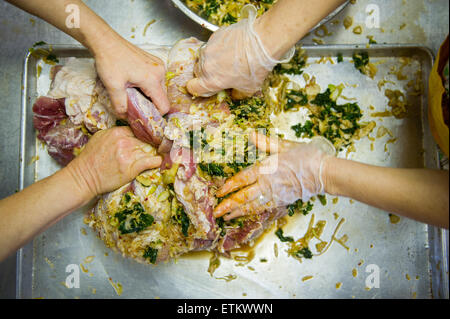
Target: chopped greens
(126, 199)
(337, 122)
(300, 207)
(294, 66)
(132, 219)
(233, 155)
(121, 122)
(363, 65)
(42, 53)
(295, 99)
(38, 44)
(361, 60)
(52, 58)
(322, 199)
(213, 169)
(305, 130)
(229, 19)
(221, 223)
(250, 113)
(209, 7)
(340, 58)
(282, 238)
(238, 221)
(304, 253)
(225, 12)
(223, 170)
(183, 220)
(151, 254)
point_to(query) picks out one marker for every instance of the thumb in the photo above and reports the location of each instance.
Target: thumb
(158, 96)
(197, 87)
(144, 163)
(119, 100)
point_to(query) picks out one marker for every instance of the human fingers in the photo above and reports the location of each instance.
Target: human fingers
(118, 131)
(245, 195)
(158, 95)
(265, 143)
(118, 97)
(243, 178)
(254, 207)
(197, 87)
(144, 163)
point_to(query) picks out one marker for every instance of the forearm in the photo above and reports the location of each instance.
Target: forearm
(37, 207)
(281, 27)
(93, 32)
(419, 194)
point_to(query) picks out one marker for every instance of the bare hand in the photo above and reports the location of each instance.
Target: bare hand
(111, 159)
(121, 65)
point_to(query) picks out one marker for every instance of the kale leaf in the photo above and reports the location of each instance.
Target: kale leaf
(301, 207)
(151, 254)
(306, 129)
(133, 219)
(284, 239)
(182, 218)
(294, 98)
(304, 253)
(361, 60)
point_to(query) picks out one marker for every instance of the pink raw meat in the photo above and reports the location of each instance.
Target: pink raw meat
(56, 130)
(145, 120)
(48, 113)
(251, 229)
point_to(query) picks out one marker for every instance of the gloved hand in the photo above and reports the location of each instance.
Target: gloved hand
(111, 159)
(293, 171)
(234, 57)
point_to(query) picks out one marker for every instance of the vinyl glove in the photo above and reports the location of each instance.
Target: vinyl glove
(234, 57)
(293, 171)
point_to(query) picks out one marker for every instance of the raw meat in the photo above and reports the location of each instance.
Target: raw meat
(56, 130)
(145, 120)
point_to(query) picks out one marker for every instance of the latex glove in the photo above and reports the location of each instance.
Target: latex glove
(111, 159)
(121, 65)
(291, 172)
(234, 57)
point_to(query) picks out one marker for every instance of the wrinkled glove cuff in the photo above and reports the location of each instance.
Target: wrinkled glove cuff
(249, 12)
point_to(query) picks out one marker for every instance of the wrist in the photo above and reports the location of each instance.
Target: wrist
(99, 37)
(274, 48)
(77, 184)
(328, 175)
(276, 40)
(102, 43)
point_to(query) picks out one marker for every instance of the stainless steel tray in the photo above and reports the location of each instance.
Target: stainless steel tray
(412, 257)
(212, 27)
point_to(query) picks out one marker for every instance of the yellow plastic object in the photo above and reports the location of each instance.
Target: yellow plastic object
(435, 92)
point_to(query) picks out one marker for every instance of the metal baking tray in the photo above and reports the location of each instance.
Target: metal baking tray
(411, 257)
(212, 27)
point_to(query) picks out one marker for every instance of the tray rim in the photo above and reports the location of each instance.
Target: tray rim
(439, 236)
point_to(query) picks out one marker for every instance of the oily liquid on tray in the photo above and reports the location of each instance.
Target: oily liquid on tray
(244, 254)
